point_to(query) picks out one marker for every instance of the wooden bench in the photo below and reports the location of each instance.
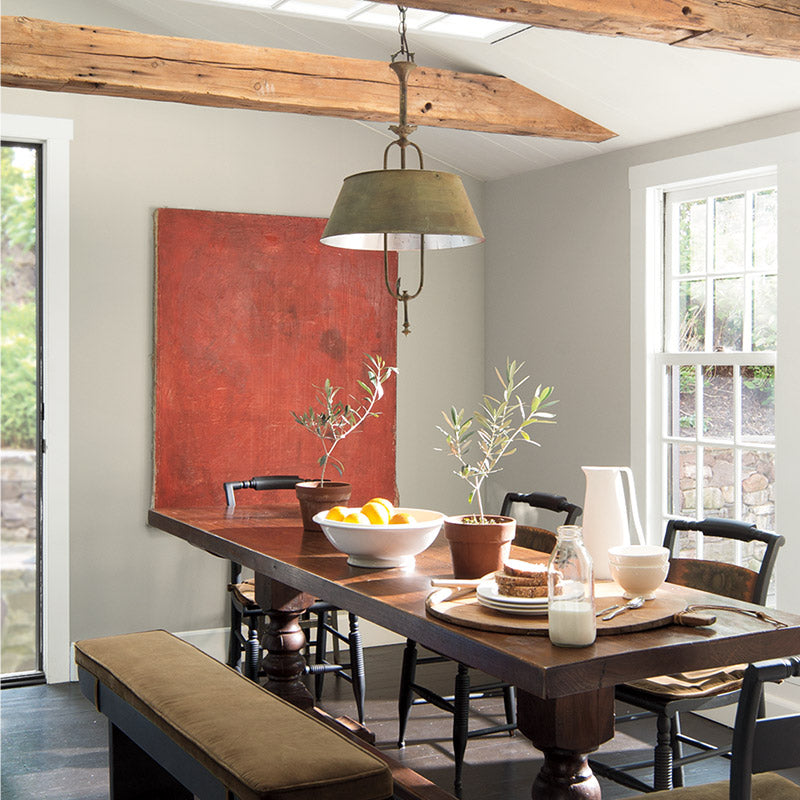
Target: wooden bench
(183, 724)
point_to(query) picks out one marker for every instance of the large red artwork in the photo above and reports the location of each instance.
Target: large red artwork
(252, 311)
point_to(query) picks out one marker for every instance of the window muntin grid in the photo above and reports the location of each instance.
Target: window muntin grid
(719, 353)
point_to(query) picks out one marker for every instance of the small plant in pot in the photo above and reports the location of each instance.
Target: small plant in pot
(479, 543)
(334, 420)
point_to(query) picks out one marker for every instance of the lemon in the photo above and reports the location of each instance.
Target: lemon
(375, 512)
(385, 503)
(337, 514)
(401, 518)
(357, 518)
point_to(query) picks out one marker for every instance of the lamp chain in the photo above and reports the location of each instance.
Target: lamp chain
(401, 29)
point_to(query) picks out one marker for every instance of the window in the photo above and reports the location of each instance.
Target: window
(50, 138)
(21, 651)
(719, 353)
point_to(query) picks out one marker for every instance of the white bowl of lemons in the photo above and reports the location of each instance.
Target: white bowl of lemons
(379, 535)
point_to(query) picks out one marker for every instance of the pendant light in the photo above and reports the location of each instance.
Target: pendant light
(402, 209)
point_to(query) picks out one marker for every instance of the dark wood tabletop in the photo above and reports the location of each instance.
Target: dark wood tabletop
(272, 542)
(555, 682)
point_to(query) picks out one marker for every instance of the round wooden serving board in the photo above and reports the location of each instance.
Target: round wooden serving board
(469, 613)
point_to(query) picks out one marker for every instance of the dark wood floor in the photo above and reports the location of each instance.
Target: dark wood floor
(54, 743)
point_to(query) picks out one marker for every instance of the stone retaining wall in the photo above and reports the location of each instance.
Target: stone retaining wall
(19, 592)
(758, 486)
(18, 470)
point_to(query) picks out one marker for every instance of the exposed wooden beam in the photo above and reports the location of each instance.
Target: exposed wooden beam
(38, 54)
(754, 27)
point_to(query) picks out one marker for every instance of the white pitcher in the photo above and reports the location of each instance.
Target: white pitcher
(606, 514)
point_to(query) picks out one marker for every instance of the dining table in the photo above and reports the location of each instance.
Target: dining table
(565, 696)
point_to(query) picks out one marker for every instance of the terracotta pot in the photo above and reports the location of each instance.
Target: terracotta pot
(315, 497)
(479, 548)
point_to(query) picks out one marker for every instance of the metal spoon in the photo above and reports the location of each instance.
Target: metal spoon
(606, 610)
(636, 602)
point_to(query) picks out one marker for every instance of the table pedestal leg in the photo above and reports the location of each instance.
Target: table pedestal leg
(283, 640)
(566, 730)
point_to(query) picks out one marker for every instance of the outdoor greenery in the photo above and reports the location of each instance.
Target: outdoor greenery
(18, 326)
(18, 367)
(499, 424)
(336, 419)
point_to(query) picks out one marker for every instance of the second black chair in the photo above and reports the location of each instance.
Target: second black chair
(414, 693)
(320, 621)
(667, 696)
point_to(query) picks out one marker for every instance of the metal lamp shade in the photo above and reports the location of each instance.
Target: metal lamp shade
(403, 204)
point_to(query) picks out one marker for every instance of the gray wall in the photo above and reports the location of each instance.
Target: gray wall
(558, 277)
(127, 159)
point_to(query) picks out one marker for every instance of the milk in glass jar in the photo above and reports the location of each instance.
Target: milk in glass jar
(570, 591)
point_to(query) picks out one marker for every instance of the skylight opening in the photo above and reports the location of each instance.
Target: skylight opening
(381, 15)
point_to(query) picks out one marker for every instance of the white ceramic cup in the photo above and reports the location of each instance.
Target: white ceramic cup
(637, 581)
(638, 555)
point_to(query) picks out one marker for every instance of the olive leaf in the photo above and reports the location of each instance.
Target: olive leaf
(499, 424)
(336, 420)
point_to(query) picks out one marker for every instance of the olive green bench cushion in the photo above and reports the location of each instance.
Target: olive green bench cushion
(767, 786)
(258, 745)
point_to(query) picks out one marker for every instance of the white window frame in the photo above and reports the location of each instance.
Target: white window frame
(54, 135)
(669, 354)
(648, 182)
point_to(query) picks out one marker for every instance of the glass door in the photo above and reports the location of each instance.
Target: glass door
(20, 412)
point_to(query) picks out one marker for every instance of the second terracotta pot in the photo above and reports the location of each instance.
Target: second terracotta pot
(315, 497)
(479, 548)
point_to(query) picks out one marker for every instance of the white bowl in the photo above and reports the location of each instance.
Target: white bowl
(383, 545)
(638, 555)
(637, 581)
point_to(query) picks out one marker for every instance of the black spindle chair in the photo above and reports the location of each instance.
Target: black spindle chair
(761, 745)
(320, 620)
(414, 693)
(665, 697)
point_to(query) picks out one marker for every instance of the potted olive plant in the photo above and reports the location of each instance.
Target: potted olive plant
(334, 420)
(479, 543)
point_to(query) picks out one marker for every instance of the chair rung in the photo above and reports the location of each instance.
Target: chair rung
(708, 751)
(318, 669)
(618, 776)
(633, 717)
(427, 696)
(432, 660)
(338, 634)
(505, 728)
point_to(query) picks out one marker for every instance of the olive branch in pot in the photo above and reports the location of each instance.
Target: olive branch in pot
(335, 420)
(499, 424)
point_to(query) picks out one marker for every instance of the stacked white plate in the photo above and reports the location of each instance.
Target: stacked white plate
(489, 596)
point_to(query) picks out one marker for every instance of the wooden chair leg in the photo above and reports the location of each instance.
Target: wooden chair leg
(357, 672)
(253, 655)
(460, 722)
(406, 694)
(333, 621)
(510, 705)
(234, 646)
(677, 750)
(320, 652)
(662, 755)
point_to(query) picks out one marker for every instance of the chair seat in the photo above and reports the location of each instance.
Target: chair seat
(698, 683)
(245, 593)
(767, 786)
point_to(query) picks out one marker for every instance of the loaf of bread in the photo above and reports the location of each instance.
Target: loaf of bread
(522, 579)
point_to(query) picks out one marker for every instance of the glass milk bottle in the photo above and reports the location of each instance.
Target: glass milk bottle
(570, 591)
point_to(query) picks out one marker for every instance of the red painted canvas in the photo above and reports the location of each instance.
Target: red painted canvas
(252, 311)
